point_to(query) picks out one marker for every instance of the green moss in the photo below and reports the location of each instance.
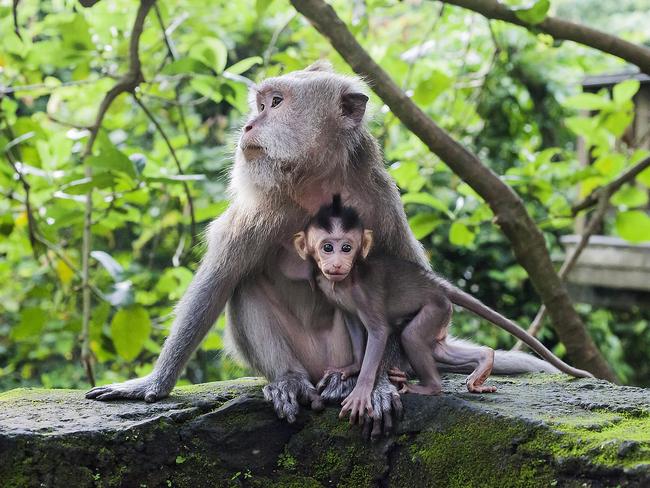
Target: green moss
(604, 438)
(480, 451)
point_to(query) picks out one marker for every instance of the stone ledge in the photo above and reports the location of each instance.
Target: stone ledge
(537, 430)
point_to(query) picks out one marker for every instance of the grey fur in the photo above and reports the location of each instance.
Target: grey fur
(309, 148)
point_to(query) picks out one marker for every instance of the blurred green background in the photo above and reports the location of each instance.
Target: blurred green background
(508, 94)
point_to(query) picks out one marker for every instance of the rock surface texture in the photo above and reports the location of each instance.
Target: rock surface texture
(537, 430)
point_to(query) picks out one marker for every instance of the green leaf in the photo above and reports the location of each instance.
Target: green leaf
(130, 328)
(633, 226)
(617, 122)
(407, 175)
(428, 90)
(426, 199)
(32, 320)
(212, 52)
(630, 197)
(610, 164)
(533, 14)
(587, 101)
(424, 224)
(644, 177)
(112, 159)
(244, 65)
(625, 90)
(460, 234)
(582, 126)
(186, 65)
(261, 6)
(207, 86)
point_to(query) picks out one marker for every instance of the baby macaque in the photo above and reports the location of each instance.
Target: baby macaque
(388, 294)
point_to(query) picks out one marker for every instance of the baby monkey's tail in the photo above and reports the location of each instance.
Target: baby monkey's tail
(459, 297)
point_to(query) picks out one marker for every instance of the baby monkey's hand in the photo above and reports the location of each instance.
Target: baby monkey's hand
(357, 403)
(346, 371)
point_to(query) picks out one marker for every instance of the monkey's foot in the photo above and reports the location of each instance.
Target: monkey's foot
(333, 387)
(288, 392)
(397, 377)
(419, 389)
(481, 388)
(346, 371)
(475, 381)
(148, 389)
(358, 403)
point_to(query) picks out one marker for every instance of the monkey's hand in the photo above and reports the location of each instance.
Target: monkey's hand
(397, 377)
(346, 371)
(148, 388)
(358, 404)
(290, 390)
(333, 387)
(386, 407)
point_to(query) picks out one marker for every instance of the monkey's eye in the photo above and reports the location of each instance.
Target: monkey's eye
(346, 248)
(276, 101)
(261, 107)
(327, 247)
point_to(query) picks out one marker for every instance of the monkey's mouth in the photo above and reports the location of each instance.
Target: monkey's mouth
(251, 150)
(335, 276)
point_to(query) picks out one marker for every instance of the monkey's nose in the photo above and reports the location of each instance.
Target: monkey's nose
(248, 128)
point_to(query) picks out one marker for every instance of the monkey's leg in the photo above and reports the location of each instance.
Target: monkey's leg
(418, 339)
(462, 356)
(274, 342)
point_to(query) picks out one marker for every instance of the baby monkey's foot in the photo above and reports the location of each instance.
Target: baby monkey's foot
(475, 381)
(346, 371)
(397, 377)
(420, 389)
(358, 403)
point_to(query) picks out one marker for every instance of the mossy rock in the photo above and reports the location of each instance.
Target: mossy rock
(537, 430)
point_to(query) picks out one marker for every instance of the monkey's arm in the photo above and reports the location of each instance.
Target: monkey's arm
(234, 248)
(373, 317)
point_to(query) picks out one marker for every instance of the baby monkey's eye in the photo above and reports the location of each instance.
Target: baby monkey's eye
(328, 247)
(276, 101)
(346, 248)
(261, 107)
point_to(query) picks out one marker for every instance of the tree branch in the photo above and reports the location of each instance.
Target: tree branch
(526, 238)
(127, 83)
(179, 168)
(612, 187)
(14, 11)
(171, 51)
(564, 30)
(572, 258)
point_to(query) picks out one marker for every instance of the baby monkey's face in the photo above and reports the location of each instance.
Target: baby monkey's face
(335, 251)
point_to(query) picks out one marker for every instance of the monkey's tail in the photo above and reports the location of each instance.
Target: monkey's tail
(459, 297)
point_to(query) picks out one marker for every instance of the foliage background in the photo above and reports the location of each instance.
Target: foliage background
(507, 94)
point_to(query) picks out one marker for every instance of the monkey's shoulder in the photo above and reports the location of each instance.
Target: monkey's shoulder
(392, 265)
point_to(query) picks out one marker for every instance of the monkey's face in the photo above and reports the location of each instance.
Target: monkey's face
(301, 123)
(334, 252)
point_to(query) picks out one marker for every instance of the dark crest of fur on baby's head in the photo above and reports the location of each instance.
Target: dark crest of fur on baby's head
(336, 210)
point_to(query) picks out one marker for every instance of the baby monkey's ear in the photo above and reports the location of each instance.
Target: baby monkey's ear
(300, 243)
(366, 243)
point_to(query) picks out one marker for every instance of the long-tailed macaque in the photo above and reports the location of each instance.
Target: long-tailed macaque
(304, 141)
(391, 295)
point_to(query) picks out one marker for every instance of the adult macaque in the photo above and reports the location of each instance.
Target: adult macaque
(304, 141)
(388, 294)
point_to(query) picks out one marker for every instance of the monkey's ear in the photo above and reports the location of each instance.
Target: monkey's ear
(353, 106)
(300, 243)
(366, 243)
